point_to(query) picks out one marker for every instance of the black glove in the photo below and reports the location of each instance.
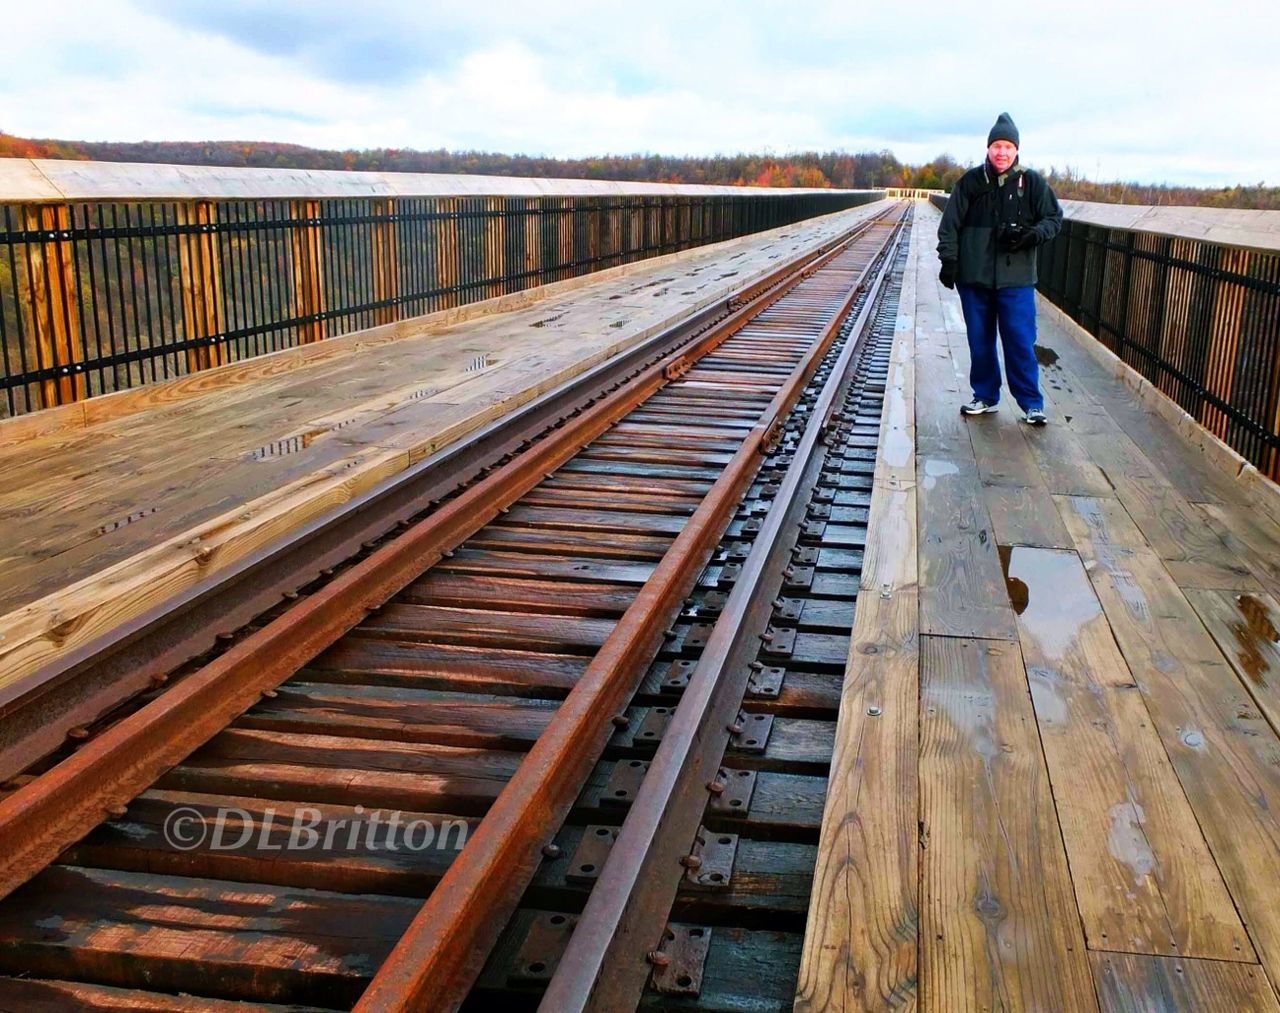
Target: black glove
(948, 273)
(1014, 238)
(1028, 240)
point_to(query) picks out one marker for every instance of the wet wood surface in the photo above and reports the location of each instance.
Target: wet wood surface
(861, 940)
(1131, 982)
(1145, 880)
(993, 855)
(1098, 765)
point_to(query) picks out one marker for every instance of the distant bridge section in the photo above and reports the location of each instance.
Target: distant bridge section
(912, 193)
(1187, 297)
(116, 275)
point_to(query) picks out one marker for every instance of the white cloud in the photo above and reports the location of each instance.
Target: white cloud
(1141, 90)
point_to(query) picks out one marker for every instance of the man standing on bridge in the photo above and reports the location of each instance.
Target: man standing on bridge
(998, 213)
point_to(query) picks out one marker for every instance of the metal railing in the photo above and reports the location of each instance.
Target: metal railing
(99, 296)
(1200, 320)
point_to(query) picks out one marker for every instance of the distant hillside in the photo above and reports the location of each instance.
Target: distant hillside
(811, 168)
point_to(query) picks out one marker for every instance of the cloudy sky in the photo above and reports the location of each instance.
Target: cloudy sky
(1153, 91)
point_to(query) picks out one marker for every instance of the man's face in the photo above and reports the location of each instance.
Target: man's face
(1002, 154)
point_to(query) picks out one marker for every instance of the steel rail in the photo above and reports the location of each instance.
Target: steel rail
(605, 966)
(436, 961)
(51, 812)
(37, 711)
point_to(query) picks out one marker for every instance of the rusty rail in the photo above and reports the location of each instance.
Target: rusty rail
(41, 819)
(566, 505)
(606, 964)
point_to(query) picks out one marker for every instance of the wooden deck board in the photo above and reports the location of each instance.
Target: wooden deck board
(1128, 982)
(1246, 627)
(164, 485)
(861, 940)
(999, 928)
(1145, 881)
(1226, 755)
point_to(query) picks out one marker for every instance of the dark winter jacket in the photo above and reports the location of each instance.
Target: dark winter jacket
(981, 203)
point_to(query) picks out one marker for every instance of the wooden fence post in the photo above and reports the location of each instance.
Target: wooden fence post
(495, 259)
(201, 283)
(385, 262)
(532, 243)
(1224, 339)
(446, 240)
(308, 269)
(54, 309)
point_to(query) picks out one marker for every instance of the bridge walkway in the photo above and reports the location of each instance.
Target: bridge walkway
(1057, 770)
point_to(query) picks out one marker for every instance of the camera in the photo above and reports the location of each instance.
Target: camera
(1010, 235)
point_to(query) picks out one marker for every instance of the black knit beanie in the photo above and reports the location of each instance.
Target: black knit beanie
(1004, 130)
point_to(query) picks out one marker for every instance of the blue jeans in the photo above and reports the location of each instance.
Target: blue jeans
(1014, 309)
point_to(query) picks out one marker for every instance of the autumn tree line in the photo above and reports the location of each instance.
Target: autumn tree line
(844, 170)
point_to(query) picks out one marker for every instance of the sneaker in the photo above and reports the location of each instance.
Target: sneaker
(977, 407)
(1035, 417)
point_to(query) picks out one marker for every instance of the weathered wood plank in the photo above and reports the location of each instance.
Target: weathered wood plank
(30, 994)
(999, 926)
(860, 946)
(1064, 464)
(1144, 878)
(1246, 627)
(1192, 553)
(1128, 982)
(159, 932)
(1251, 536)
(961, 589)
(1024, 515)
(1226, 756)
(269, 843)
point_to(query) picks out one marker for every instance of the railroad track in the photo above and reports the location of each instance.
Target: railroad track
(622, 642)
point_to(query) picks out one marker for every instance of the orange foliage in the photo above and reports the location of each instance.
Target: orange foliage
(789, 174)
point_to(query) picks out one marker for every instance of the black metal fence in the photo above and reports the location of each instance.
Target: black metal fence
(1200, 320)
(98, 297)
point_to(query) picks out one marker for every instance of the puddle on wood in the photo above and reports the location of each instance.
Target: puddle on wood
(1050, 593)
(935, 468)
(897, 444)
(1127, 840)
(970, 707)
(897, 447)
(1046, 356)
(1256, 630)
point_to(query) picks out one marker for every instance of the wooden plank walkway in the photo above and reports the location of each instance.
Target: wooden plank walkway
(116, 503)
(1056, 782)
